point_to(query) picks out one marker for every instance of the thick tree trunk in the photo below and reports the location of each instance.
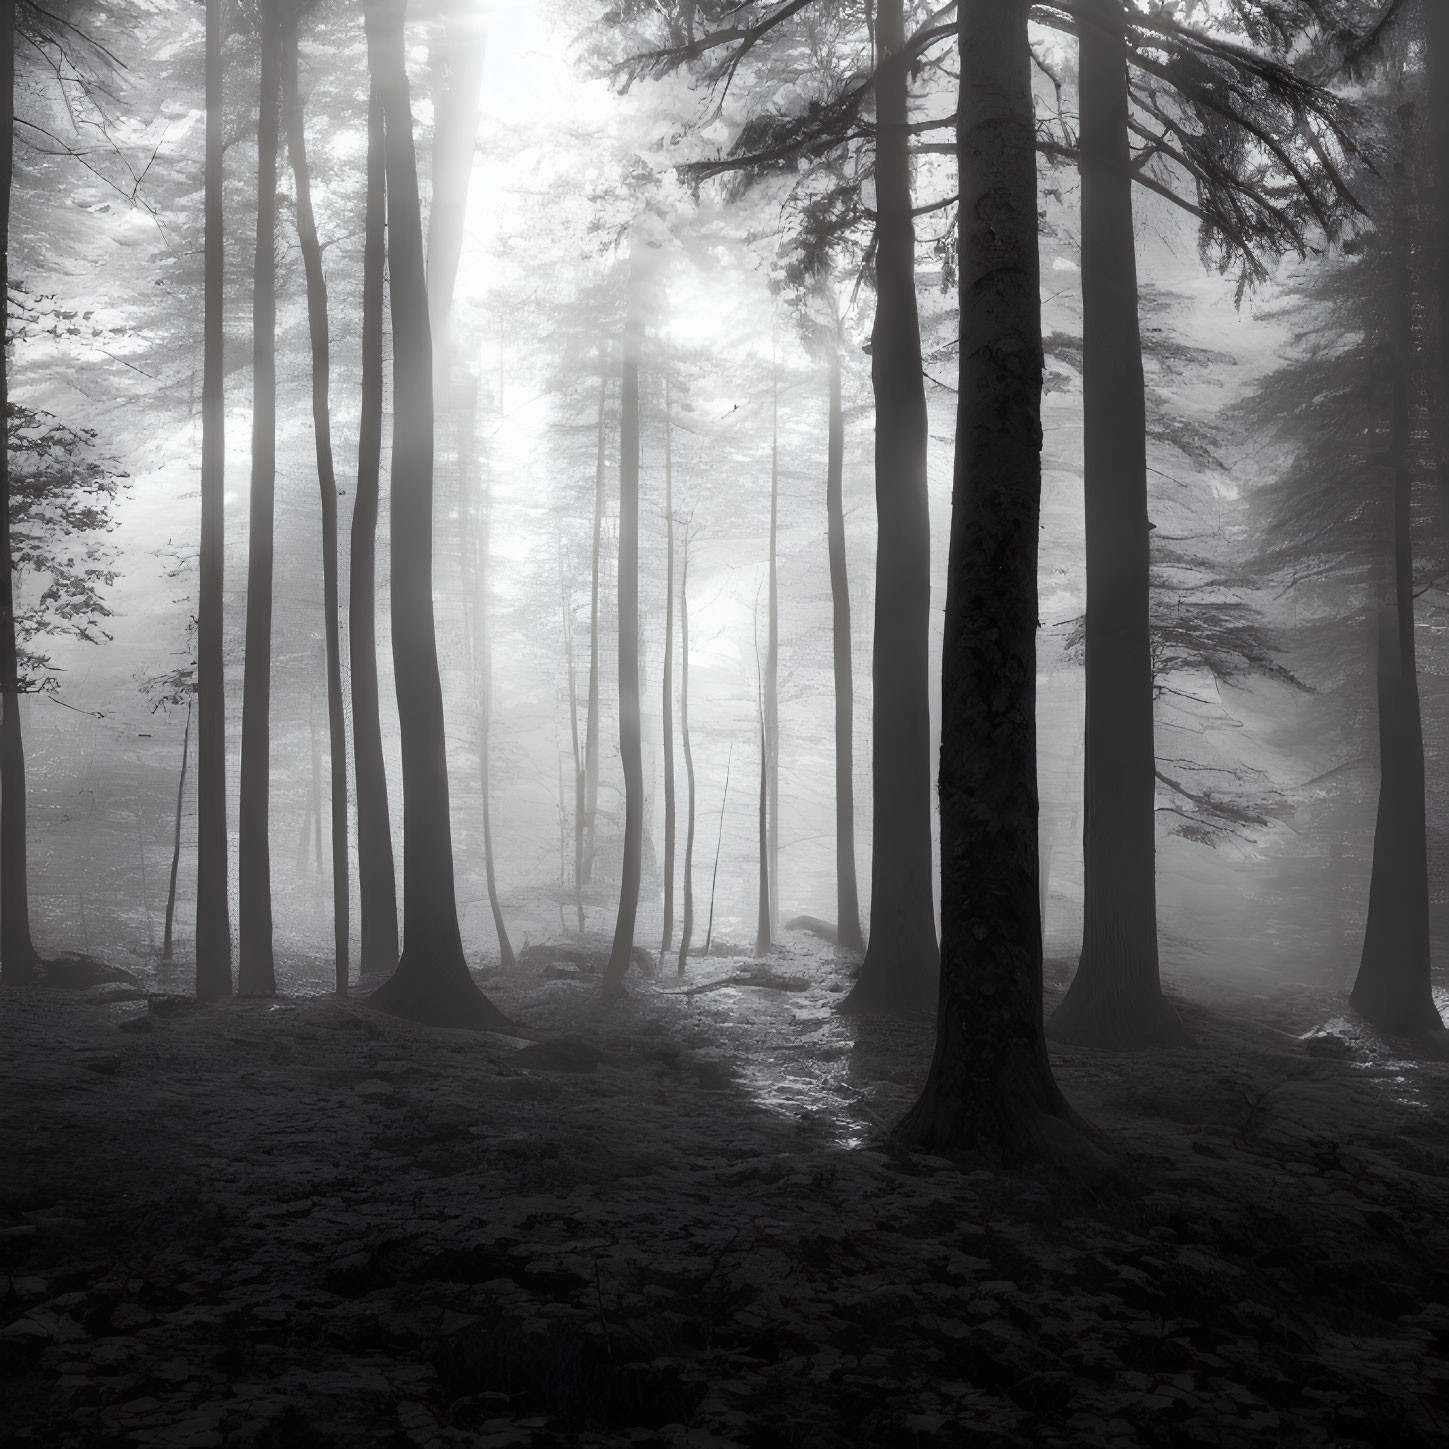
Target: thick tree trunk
(1115, 999)
(902, 962)
(686, 926)
(762, 913)
(847, 895)
(376, 878)
(213, 920)
(256, 974)
(327, 486)
(667, 688)
(1392, 990)
(18, 958)
(990, 1087)
(591, 722)
(630, 734)
(166, 941)
(432, 983)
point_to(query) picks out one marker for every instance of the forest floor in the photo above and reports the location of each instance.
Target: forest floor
(676, 1221)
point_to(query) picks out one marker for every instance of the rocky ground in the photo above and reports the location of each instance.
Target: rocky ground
(676, 1221)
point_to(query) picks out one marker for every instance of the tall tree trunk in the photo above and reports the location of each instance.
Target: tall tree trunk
(990, 1087)
(18, 958)
(376, 879)
(667, 702)
(630, 734)
(902, 961)
(477, 502)
(1116, 998)
(166, 942)
(432, 983)
(591, 723)
(454, 130)
(213, 920)
(772, 662)
(686, 926)
(1392, 990)
(1436, 62)
(579, 773)
(327, 486)
(762, 914)
(847, 895)
(256, 974)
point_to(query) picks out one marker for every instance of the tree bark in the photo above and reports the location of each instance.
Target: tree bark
(667, 688)
(1393, 990)
(1116, 998)
(579, 774)
(591, 723)
(772, 662)
(166, 941)
(990, 1087)
(1436, 63)
(630, 734)
(213, 918)
(376, 878)
(318, 331)
(902, 962)
(686, 927)
(256, 974)
(847, 895)
(432, 983)
(18, 957)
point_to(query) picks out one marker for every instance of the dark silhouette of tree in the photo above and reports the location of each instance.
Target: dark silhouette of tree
(256, 972)
(213, 919)
(667, 685)
(375, 871)
(1116, 996)
(18, 957)
(630, 744)
(327, 487)
(686, 928)
(591, 719)
(432, 983)
(990, 1087)
(901, 964)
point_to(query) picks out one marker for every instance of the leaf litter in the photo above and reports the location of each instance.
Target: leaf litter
(677, 1220)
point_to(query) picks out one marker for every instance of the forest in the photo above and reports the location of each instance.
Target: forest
(723, 724)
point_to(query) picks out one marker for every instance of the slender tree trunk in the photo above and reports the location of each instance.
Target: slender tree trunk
(772, 662)
(668, 685)
(432, 983)
(902, 961)
(630, 733)
(18, 958)
(579, 773)
(1116, 998)
(686, 927)
(718, 845)
(176, 842)
(1436, 62)
(256, 974)
(376, 879)
(591, 727)
(213, 920)
(477, 501)
(455, 127)
(990, 1087)
(1392, 990)
(327, 487)
(847, 895)
(762, 914)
